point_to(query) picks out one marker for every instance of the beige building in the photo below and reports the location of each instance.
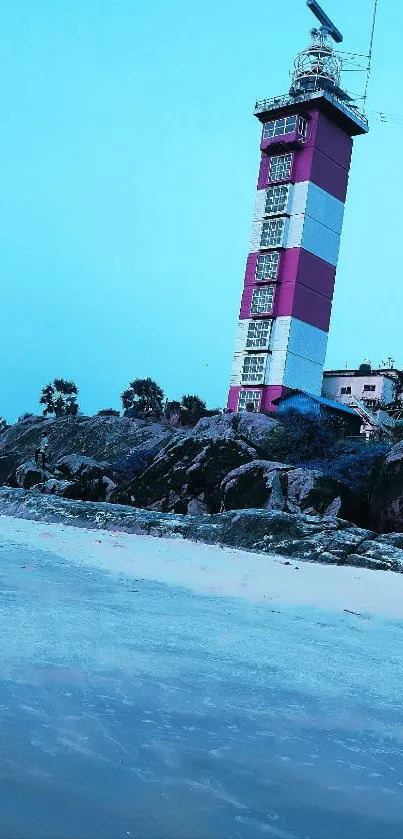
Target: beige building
(371, 387)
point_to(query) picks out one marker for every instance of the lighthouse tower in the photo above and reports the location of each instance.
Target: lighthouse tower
(306, 146)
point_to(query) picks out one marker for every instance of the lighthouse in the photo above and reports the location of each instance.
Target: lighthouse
(305, 154)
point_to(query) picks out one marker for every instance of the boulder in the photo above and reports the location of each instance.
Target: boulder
(386, 501)
(76, 467)
(95, 489)
(57, 487)
(279, 486)
(253, 429)
(186, 476)
(8, 465)
(29, 475)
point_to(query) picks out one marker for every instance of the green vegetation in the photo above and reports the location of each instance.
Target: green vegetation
(60, 398)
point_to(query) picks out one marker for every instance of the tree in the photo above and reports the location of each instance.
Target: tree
(3, 425)
(172, 412)
(193, 409)
(60, 398)
(145, 396)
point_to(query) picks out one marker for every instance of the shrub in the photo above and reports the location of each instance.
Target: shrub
(299, 438)
(397, 432)
(108, 412)
(353, 462)
(135, 463)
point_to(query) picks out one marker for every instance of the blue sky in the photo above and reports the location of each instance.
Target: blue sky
(129, 156)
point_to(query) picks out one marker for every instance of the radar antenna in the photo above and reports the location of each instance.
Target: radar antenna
(318, 67)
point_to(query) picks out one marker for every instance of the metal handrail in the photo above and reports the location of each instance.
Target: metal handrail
(280, 101)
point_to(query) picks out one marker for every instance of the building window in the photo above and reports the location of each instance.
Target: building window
(278, 127)
(276, 199)
(253, 369)
(302, 126)
(258, 334)
(369, 388)
(272, 233)
(267, 265)
(280, 167)
(249, 397)
(345, 391)
(262, 301)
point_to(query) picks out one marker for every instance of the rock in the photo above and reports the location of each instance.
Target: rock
(8, 465)
(95, 489)
(280, 486)
(76, 467)
(253, 429)
(386, 501)
(314, 539)
(57, 487)
(29, 475)
(102, 438)
(186, 476)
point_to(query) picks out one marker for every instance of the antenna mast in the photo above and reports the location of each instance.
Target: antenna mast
(371, 43)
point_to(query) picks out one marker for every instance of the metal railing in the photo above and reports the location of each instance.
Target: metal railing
(281, 101)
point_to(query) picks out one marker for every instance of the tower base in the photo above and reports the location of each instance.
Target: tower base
(261, 397)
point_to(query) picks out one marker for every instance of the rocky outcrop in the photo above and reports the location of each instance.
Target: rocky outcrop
(386, 502)
(102, 438)
(298, 536)
(280, 486)
(186, 476)
(253, 429)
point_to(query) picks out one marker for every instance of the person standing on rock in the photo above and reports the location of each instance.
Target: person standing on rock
(41, 453)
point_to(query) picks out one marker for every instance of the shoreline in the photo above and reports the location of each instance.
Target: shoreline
(213, 570)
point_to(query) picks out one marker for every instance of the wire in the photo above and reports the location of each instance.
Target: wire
(371, 43)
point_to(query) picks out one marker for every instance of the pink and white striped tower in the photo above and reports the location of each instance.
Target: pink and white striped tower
(306, 147)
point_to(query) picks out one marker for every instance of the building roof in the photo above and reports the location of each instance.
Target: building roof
(327, 403)
(388, 372)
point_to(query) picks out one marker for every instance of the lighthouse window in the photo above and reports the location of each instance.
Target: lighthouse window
(262, 300)
(272, 233)
(249, 397)
(253, 369)
(276, 199)
(302, 126)
(280, 167)
(278, 127)
(258, 334)
(267, 265)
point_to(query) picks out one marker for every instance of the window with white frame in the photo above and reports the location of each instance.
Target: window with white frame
(278, 127)
(258, 334)
(280, 167)
(253, 369)
(249, 397)
(267, 265)
(369, 388)
(276, 199)
(302, 126)
(272, 233)
(262, 300)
